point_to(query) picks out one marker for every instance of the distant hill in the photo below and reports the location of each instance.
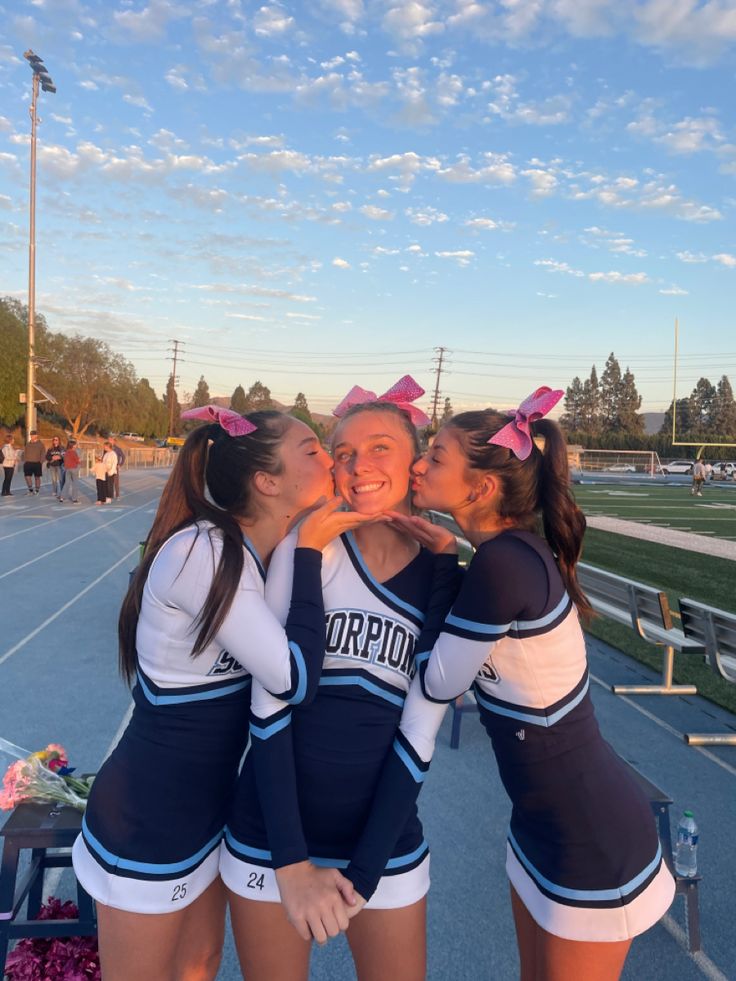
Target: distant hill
(653, 421)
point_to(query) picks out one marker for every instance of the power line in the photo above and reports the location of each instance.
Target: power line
(172, 389)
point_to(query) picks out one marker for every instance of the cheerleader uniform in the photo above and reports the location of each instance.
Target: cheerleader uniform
(156, 813)
(583, 852)
(307, 783)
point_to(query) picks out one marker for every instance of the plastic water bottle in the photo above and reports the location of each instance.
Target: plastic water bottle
(686, 853)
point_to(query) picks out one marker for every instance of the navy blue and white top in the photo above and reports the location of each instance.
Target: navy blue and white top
(306, 787)
(159, 803)
(583, 851)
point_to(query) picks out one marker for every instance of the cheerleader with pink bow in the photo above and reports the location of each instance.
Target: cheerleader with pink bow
(583, 857)
(306, 790)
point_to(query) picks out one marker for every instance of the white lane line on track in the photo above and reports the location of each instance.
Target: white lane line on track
(701, 960)
(51, 883)
(668, 728)
(69, 514)
(71, 602)
(71, 541)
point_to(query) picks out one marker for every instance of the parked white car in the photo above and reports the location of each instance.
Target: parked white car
(678, 466)
(134, 437)
(725, 470)
(621, 468)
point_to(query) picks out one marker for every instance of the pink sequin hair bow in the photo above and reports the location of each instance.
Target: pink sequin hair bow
(402, 394)
(232, 422)
(515, 435)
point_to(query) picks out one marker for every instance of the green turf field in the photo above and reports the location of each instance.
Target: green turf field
(665, 505)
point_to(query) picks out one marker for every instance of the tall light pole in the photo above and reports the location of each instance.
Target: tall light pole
(40, 77)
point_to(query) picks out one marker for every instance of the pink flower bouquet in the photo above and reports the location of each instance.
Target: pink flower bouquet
(41, 776)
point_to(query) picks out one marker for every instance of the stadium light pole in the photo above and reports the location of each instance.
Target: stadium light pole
(41, 78)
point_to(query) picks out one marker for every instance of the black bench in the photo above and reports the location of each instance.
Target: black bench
(38, 828)
(716, 631)
(646, 610)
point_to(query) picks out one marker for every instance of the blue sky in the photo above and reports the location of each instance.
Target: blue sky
(319, 194)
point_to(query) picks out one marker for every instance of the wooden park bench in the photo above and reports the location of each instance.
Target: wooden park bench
(715, 630)
(647, 611)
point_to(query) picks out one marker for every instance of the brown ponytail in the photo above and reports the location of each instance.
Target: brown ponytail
(563, 521)
(209, 463)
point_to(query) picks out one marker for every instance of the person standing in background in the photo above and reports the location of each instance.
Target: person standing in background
(110, 459)
(71, 470)
(54, 464)
(100, 471)
(121, 462)
(34, 453)
(698, 479)
(10, 458)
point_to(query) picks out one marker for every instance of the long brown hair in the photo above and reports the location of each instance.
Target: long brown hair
(211, 481)
(535, 493)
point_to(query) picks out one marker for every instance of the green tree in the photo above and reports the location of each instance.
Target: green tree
(610, 394)
(238, 401)
(151, 418)
(701, 406)
(92, 384)
(258, 398)
(723, 411)
(629, 403)
(590, 404)
(683, 425)
(201, 394)
(14, 360)
(573, 415)
(300, 408)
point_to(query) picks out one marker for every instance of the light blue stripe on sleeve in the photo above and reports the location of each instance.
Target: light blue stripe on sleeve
(488, 629)
(301, 670)
(548, 618)
(264, 732)
(409, 763)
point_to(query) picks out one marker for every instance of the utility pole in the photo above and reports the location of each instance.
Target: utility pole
(441, 351)
(172, 389)
(40, 77)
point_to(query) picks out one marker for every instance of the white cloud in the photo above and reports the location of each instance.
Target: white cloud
(674, 291)
(150, 23)
(409, 21)
(426, 216)
(461, 256)
(381, 250)
(139, 101)
(543, 181)
(692, 257)
(559, 267)
(376, 214)
(176, 81)
(271, 21)
(631, 279)
(496, 169)
(340, 263)
(725, 259)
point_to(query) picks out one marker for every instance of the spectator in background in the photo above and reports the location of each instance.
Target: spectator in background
(698, 479)
(34, 453)
(54, 464)
(708, 470)
(71, 470)
(100, 469)
(10, 458)
(110, 459)
(121, 462)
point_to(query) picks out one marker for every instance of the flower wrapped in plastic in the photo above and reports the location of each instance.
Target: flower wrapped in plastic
(41, 776)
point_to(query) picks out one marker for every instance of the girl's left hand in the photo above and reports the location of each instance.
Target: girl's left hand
(434, 537)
